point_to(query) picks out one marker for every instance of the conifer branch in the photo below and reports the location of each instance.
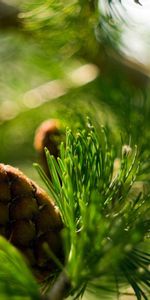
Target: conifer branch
(105, 223)
(60, 288)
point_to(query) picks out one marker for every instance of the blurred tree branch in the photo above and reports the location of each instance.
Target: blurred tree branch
(78, 35)
(9, 15)
(80, 20)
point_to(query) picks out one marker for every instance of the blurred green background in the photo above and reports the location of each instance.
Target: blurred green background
(61, 60)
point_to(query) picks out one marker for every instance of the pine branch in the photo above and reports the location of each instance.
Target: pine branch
(105, 222)
(60, 288)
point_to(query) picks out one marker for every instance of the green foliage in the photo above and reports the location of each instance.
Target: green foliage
(16, 281)
(23, 66)
(79, 19)
(105, 218)
(46, 19)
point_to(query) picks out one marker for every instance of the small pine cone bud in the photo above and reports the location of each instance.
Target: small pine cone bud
(48, 135)
(29, 220)
(126, 150)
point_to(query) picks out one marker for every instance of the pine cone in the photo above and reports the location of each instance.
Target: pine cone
(28, 219)
(48, 135)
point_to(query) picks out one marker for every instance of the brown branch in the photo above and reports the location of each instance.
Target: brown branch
(60, 288)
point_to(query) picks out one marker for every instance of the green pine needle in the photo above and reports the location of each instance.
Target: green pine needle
(105, 219)
(16, 281)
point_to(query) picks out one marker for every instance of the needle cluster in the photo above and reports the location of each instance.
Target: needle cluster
(105, 212)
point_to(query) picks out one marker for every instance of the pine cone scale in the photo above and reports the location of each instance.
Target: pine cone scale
(23, 233)
(23, 209)
(4, 183)
(29, 219)
(4, 214)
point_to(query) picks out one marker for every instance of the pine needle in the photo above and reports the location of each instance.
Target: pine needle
(16, 280)
(105, 223)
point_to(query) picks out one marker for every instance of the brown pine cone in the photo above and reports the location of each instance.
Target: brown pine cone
(29, 219)
(48, 135)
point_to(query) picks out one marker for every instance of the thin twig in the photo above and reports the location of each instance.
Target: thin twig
(60, 288)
